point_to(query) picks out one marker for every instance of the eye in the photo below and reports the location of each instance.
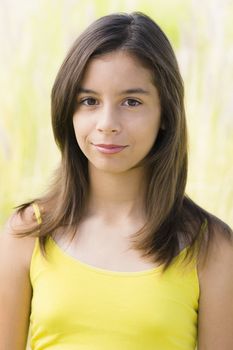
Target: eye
(89, 101)
(132, 102)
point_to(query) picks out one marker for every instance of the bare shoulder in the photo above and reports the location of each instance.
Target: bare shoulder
(15, 284)
(220, 250)
(216, 293)
(20, 248)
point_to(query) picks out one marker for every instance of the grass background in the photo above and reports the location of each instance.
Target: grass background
(34, 38)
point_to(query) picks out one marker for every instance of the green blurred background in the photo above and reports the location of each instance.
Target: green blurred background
(35, 36)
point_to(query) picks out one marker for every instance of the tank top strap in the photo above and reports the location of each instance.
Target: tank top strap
(37, 213)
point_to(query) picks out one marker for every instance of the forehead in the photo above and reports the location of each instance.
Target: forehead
(117, 67)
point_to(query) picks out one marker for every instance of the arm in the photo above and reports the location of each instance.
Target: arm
(215, 325)
(15, 287)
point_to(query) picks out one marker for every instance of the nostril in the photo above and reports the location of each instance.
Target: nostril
(107, 130)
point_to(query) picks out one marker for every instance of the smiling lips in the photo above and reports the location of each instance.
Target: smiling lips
(109, 148)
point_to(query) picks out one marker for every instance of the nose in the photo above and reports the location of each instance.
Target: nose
(108, 120)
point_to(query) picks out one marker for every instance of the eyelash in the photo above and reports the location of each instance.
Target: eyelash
(91, 98)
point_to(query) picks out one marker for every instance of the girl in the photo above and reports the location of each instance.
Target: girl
(115, 255)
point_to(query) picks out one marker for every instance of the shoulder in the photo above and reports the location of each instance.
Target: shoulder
(15, 246)
(15, 283)
(218, 250)
(216, 291)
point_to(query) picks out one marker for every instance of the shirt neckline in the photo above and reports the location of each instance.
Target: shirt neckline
(92, 268)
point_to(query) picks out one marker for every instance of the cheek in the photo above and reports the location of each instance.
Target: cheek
(148, 131)
(80, 129)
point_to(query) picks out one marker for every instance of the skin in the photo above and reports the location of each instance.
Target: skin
(113, 181)
(112, 117)
(215, 322)
(107, 114)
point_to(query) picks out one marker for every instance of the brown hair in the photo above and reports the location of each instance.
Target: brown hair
(173, 219)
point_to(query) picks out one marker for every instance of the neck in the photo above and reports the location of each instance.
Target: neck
(115, 196)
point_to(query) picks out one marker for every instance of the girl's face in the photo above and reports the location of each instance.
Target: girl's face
(118, 105)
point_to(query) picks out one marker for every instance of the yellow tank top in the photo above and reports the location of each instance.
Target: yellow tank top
(76, 306)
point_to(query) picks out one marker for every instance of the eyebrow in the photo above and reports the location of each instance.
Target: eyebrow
(128, 91)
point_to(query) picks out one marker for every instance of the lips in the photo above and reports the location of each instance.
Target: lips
(103, 145)
(109, 148)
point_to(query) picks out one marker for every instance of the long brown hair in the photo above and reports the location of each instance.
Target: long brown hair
(173, 219)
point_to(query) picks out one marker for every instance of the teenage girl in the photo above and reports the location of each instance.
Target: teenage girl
(115, 255)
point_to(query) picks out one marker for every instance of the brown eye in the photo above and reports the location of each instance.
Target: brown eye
(88, 101)
(132, 102)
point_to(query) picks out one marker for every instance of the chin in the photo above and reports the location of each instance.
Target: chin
(111, 168)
